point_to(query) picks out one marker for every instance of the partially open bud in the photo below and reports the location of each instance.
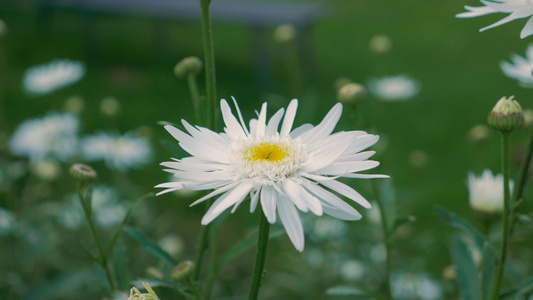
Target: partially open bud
(507, 115)
(83, 173)
(188, 66)
(351, 94)
(183, 271)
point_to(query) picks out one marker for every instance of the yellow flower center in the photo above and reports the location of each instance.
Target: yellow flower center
(268, 152)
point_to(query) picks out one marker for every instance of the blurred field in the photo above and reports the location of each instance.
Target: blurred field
(456, 66)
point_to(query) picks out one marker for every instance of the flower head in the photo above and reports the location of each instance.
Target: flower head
(135, 294)
(118, 152)
(44, 79)
(521, 68)
(394, 88)
(517, 9)
(507, 115)
(285, 171)
(53, 136)
(486, 192)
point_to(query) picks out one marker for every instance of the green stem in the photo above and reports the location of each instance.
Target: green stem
(103, 256)
(194, 288)
(209, 59)
(519, 188)
(262, 243)
(213, 267)
(193, 89)
(507, 216)
(201, 246)
(386, 238)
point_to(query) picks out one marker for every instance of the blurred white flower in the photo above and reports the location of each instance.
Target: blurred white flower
(173, 244)
(284, 171)
(329, 228)
(55, 136)
(7, 222)
(46, 78)
(517, 9)
(521, 68)
(378, 253)
(406, 285)
(352, 269)
(380, 43)
(118, 152)
(46, 169)
(393, 88)
(486, 192)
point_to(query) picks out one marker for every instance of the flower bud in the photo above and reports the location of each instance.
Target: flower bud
(83, 173)
(507, 115)
(182, 271)
(188, 66)
(352, 94)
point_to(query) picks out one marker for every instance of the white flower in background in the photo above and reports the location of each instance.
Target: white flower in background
(329, 229)
(521, 68)
(118, 152)
(486, 192)
(44, 79)
(7, 222)
(173, 244)
(517, 9)
(283, 170)
(352, 269)
(406, 285)
(393, 88)
(54, 136)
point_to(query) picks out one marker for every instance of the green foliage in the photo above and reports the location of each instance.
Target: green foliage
(467, 273)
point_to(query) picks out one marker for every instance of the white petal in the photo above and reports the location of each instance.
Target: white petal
(328, 154)
(291, 190)
(333, 205)
(273, 123)
(216, 192)
(254, 198)
(500, 22)
(341, 168)
(528, 29)
(362, 143)
(346, 191)
(233, 128)
(325, 127)
(261, 122)
(301, 130)
(291, 221)
(225, 201)
(365, 176)
(268, 202)
(476, 11)
(240, 115)
(170, 187)
(288, 120)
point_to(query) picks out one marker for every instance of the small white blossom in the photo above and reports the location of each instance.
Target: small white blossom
(54, 136)
(118, 152)
(44, 79)
(7, 222)
(521, 68)
(486, 192)
(284, 171)
(406, 285)
(517, 9)
(393, 88)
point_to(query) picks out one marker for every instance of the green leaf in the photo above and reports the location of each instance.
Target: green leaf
(524, 287)
(487, 275)
(114, 237)
(467, 274)
(152, 248)
(88, 252)
(348, 291)
(120, 265)
(245, 245)
(455, 221)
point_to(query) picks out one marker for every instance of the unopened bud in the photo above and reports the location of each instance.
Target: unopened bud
(182, 271)
(83, 173)
(188, 66)
(507, 115)
(352, 94)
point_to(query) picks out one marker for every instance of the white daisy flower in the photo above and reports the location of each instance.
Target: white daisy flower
(486, 192)
(118, 152)
(393, 88)
(44, 79)
(517, 9)
(521, 68)
(54, 136)
(283, 170)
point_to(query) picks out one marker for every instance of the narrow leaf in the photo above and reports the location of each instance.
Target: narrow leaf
(113, 240)
(154, 249)
(120, 265)
(467, 274)
(455, 221)
(524, 287)
(245, 245)
(487, 275)
(88, 252)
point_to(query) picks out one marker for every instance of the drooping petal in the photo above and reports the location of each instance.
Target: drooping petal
(269, 197)
(225, 201)
(346, 191)
(333, 205)
(291, 190)
(292, 223)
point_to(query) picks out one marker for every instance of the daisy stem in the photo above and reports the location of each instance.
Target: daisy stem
(201, 246)
(209, 59)
(386, 238)
(213, 270)
(262, 243)
(507, 216)
(521, 181)
(85, 204)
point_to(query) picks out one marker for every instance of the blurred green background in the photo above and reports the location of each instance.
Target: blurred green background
(456, 66)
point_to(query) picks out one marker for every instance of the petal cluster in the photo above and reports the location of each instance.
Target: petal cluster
(517, 9)
(486, 192)
(284, 170)
(520, 68)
